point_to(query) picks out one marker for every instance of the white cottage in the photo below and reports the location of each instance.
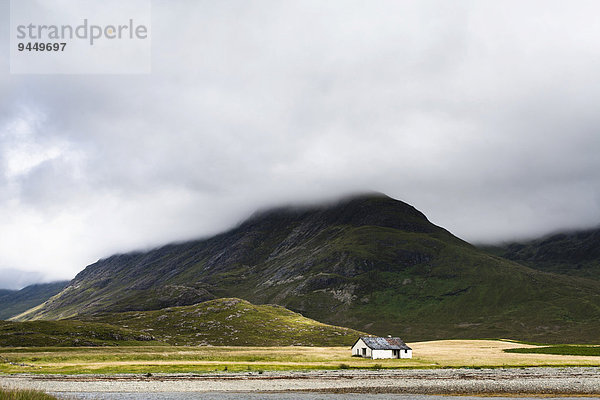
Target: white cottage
(380, 347)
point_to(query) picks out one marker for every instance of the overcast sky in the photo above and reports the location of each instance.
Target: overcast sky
(482, 114)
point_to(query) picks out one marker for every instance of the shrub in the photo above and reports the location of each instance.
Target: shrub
(24, 394)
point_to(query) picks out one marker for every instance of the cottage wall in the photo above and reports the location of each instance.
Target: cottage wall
(405, 353)
(382, 354)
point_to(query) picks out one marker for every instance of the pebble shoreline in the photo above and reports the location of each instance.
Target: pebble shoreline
(536, 381)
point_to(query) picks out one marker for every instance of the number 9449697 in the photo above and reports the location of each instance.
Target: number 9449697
(41, 46)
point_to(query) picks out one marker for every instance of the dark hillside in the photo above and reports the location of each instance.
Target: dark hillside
(14, 302)
(569, 253)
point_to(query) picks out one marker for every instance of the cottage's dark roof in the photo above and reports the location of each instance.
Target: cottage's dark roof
(384, 343)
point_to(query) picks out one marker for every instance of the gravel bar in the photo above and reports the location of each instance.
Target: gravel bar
(537, 381)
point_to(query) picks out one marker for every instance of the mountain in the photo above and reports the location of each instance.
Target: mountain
(14, 302)
(221, 322)
(571, 253)
(369, 262)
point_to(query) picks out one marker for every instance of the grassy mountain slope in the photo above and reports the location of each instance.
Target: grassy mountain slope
(572, 253)
(223, 322)
(231, 322)
(371, 263)
(14, 302)
(68, 333)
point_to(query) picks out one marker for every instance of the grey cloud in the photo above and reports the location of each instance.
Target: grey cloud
(15, 279)
(483, 115)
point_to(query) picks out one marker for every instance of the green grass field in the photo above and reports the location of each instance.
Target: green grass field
(565, 350)
(203, 359)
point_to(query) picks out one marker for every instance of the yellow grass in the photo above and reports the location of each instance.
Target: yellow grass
(453, 353)
(435, 354)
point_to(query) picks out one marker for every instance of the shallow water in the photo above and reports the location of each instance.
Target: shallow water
(283, 396)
